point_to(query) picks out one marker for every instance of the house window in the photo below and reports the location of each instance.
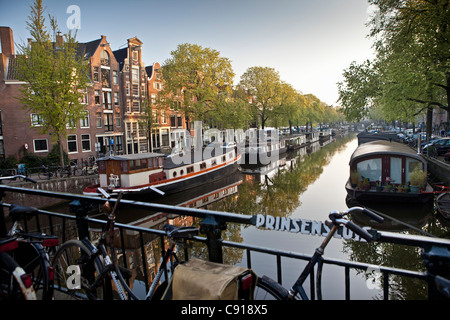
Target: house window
(136, 90)
(97, 97)
(172, 121)
(95, 74)
(128, 88)
(118, 120)
(72, 143)
(119, 144)
(180, 122)
(116, 99)
(107, 100)
(135, 75)
(106, 78)
(128, 106)
(104, 58)
(157, 85)
(84, 122)
(115, 77)
(153, 98)
(136, 106)
(98, 119)
(86, 142)
(40, 145)
(109, 123)
(36, 120)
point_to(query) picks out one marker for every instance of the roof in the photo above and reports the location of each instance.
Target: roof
(379, 147)
(136, 156)
(88, 48)
(121, 55)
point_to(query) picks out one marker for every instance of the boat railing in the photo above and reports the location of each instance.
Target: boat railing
(76, 224)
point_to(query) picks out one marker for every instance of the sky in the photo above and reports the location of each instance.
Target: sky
(309, 42)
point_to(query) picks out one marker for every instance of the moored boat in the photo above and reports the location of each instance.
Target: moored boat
(383, 171)
(443, 204)
(144, 174)
(295, 142)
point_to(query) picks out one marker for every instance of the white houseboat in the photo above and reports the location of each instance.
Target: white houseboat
(150, 174)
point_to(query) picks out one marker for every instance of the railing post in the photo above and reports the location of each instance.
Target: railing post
(80, 210)
(213, 230)
(2, 216)
(437, 261)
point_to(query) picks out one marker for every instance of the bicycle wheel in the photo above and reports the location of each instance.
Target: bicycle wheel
(34, 260)
(268, 289)
(44, 175)
(75, 272)
(12, 285)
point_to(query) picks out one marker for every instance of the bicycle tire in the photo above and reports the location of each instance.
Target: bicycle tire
(33, 258)
(44, 175)
(268, 289)
(11, 284)
(75, 253)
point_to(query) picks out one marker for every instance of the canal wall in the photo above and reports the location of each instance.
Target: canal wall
(69, 185)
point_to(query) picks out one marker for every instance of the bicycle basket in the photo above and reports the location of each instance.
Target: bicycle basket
(205, 280)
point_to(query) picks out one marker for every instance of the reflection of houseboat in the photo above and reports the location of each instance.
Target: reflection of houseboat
(295, 142)
(264, 152)
(382, 168)
(140, 174)
(324, 133)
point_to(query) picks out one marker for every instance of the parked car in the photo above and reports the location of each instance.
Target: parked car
(442, 146)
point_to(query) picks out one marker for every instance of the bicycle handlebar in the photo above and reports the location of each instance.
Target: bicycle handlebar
(337, 219)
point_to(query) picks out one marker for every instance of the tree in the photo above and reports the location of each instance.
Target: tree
(411, 71)
(264, 85)
(56, 76)
(196, 75)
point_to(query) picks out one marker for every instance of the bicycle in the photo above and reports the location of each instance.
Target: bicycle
(276, 291)
(31, 250)
(15, 283)
(92, 265)
(45, 173)
(68, 171)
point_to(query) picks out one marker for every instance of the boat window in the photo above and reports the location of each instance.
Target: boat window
(396, 170)
(124, 166)
(203, 165)
(174, 174)
(370, 169)
(190, 169)
(224, 159)
(181, 172)
(411, 164)
(132, 165)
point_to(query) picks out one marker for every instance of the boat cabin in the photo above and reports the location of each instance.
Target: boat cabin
(386, 161)
(130, 170)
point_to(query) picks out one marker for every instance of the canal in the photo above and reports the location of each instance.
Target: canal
(307, 185)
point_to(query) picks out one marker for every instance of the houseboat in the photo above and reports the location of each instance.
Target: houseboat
(324, 134)
(151, 174)
(383, 171)
(295, 142)
(264, 152)
(312, 137)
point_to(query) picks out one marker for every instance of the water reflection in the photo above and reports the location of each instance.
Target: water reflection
(280, 190)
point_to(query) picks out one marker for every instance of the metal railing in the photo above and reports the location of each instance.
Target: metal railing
(437, 251)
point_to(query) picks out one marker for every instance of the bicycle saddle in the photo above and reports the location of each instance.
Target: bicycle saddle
(18, 212)
(180, 232)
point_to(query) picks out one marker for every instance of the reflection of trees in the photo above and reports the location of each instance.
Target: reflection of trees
(279, 194)
(390, 255)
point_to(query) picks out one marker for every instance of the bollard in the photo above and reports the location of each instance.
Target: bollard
(213, 230)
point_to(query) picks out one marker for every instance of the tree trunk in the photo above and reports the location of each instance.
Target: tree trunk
(61, 153)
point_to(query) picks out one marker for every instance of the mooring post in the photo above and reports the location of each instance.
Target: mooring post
(213, 230)
(80, 210)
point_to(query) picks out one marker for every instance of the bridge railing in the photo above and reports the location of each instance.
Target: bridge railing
(76, 224)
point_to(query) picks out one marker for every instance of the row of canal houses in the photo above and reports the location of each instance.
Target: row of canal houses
(121, 83)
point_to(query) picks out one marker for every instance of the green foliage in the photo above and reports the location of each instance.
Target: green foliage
(55, 73)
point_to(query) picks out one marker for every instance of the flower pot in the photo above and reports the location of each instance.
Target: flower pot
(414, 189)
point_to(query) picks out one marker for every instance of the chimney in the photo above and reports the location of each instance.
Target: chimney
(7, 41)
(59, 40)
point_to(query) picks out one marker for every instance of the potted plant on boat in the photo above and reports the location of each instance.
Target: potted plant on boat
(354, 178)
(378, 185)
(366, 184)
(388, 186)
(418, 178)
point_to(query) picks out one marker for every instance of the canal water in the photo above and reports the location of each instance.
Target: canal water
(307, 185)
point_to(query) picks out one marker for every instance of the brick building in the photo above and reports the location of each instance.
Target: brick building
(121, 88)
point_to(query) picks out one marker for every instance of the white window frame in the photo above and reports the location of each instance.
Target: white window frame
(89, 139)
(34, 145)
(38, 122)
(84, 122)
(76, 143)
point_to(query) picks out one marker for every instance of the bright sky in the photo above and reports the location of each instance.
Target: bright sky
(308, 42)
